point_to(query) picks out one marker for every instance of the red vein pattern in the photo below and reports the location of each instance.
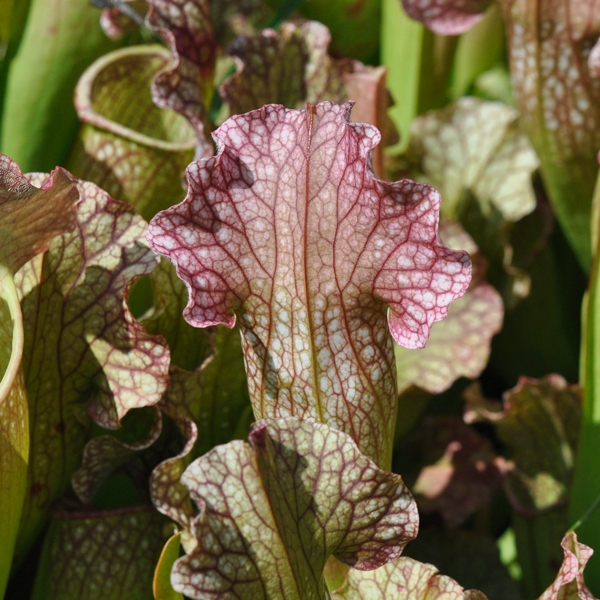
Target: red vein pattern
(132, 148)
(292, 67)
(403, 579)
(168, 494)
(271, 514)
(82, 343)
(569, 583)
(459, 345)
(187, 27)
(104, 454)
(102, 554)
(31, 217)
(289, 228)
(553, 68)
(207, 406)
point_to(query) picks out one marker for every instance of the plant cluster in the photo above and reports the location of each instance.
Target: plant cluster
(299, 318)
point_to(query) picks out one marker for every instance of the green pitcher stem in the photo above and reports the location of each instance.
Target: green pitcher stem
(586, 485)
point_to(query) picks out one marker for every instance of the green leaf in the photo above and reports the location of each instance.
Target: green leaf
(271, 514)
(401, 53)
(6, 8)
(290, 68)
(82, 345)
(14, 23)
(207, 397)
(215, 396)
(100, 555)
(137, 147)
(420, 66)
(163, 590)
(104, 454)
(14, 422)
(135, 150)
(495, 85)
(559, 101)
(478, 50)
(14, 457)
(474, 153)
(535, 414)
(477, 146)
(210, 406)
(39, 123)
(189, 346)
(586, 486)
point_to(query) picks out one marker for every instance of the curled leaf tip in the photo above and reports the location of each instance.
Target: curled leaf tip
(257, 435)
(446, 17)
(31, 215)
(288, 135)
(569, 583)
(186, 85)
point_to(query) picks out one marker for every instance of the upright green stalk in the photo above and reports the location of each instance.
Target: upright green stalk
(13, 16)
(61, 38)
(419, 65)
(478, 50)
(586, 486)
(538, 547)
(401, 44)
(425, 70)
